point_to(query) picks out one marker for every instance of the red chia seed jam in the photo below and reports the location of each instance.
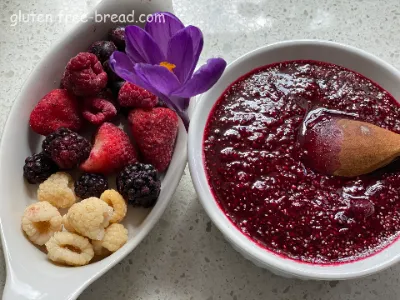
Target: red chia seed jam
(255, 169)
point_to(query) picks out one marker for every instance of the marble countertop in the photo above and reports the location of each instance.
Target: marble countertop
(185, 256)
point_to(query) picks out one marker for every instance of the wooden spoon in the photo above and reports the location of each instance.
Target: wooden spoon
(344, 147)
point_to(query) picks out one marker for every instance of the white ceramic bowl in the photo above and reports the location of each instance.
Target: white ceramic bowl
(355, 59)
(29, 274)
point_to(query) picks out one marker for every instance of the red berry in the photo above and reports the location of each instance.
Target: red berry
(55, 110)
(111, 152)
(131, 95)
(97, 110)
(155, 134)
(84, 75)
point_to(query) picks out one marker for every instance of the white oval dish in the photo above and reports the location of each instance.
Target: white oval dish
(29, 274)
(352, 58)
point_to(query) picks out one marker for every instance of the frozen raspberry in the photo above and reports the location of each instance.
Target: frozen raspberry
(69, 150)
(57, 109)
(97, 110)
(112, 77)
(115, 237)
(117, 202)
(131, 95)
(58, 190)
(40, 221)
(38, 168)
(84, 75)
(90, 185)
(90, 217)
(102, 49)
(117, 35)
(139, 184)
(155, 133)
(69, 249)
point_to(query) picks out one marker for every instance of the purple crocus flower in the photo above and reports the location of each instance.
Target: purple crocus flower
(162, 57)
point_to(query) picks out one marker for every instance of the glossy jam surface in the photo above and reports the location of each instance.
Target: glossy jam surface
(256, 172)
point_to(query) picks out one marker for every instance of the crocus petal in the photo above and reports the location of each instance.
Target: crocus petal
(122, 66)
(203, 79)
(197, 40)
(163, 27)
(140, 46)
(180, 53)
(158, 77)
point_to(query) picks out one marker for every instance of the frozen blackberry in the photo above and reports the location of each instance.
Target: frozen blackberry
(139, 184)
(117, 35)
(90, 185)
(102, 49)
(68, 150)
(112, 77)
(38, 168)
(116, 86)
(61, 132)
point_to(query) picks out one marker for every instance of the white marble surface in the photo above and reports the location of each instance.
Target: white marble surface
(185, 257)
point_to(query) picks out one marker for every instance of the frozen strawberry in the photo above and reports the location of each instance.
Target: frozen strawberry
(55, 110)
(155, 134)
(111, 152)
(97, 110)
(131, 95)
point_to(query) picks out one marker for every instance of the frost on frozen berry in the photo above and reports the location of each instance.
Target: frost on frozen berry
(139, 184)
(40, 221)
(102, 49)
(155, 132)
(69, 249)
(112, 150)
(117, 35)
(59, 133)
(131, 95)
(58, 190)
(90, 185)
(84, 75)
(38, 168)
(58, 108)
(97, 110)
(90, 217)
(68, 150)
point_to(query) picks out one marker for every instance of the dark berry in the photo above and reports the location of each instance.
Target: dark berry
(68, 150)
(117, 35)
(84, 75)
(116, 87)
(38, 168)
(51, 137)
(112, 77)
(102, 49)
(161, 103)
(139, 184)
(90, 185)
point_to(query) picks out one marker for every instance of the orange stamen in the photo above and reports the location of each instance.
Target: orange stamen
(167, 65)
